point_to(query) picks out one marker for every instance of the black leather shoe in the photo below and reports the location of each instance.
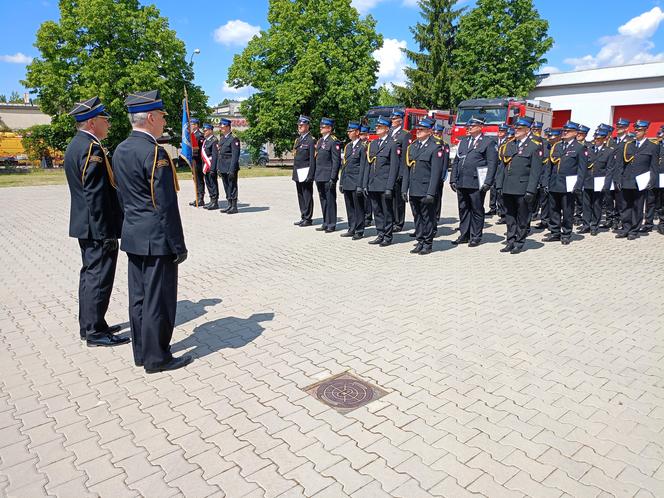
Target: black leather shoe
(346, 234)
(621, 235)
(516, 250)
(375, 241)
(541, 226)
(507, 248)
(501, 221)
(192, 203)
(368, 222)
(107, 341)
(306, 223)
(425, 251)
(593, 232)
(321, 229)
(174, 364)
(384, 243)
(357, 236)
(474, 243)
(298, 223)
(330, 230)
(632, 236)
(226, 209)
(583, 230)
(551, 238)
(459, 241)
(412, 234)
(645, 229)
(211, 206)
(397, 228)
(565, 242)
(233, 208)
(417, 249)
(114, 329)
(660, 229)
(138, 363)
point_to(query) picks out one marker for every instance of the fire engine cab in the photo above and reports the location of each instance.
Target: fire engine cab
(496, 112)
(411, 117)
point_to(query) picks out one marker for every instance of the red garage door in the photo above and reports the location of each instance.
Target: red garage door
(650, 112)
(560, 118)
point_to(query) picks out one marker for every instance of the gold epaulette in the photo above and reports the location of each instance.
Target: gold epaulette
(654, 140)
(536, 141)
(627, 161)
(343, 156)
(409, 163)
(551, 158)
(176, 185)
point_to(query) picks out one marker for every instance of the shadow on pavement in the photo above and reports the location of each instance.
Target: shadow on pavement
(228, 332)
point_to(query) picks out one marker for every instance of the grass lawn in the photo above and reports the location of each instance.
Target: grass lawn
(37, 177)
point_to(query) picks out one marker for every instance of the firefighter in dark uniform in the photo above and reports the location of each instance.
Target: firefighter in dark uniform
(328, 161)
(552, 136)
(597, 181)
(660, 178)
(368, 215)
(438, 135)
(353, 161)
(653, 203)
(476, 152)
(537, 132)
(639, 159)
(496, 205)
(622, 137)
(380, 173)
(209, 158)
(152, 233)
(200, 176)
(228, 163)
(608, 196)
(304, 168)
(568, 161)
(522, 168)
(403, 139)
(421, 179)
(95, 220)
(581, 136)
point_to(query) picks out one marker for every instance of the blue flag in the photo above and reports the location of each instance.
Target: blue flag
(187, 145)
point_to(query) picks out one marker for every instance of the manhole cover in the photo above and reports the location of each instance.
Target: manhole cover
(345, 392)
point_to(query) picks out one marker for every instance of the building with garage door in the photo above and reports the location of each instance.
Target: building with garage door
(595, 96)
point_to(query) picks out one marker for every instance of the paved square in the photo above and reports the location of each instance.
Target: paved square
(536, 375)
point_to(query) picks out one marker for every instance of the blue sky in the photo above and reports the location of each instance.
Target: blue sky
(587, 34)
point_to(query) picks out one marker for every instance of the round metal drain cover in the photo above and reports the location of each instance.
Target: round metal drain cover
(345, 393)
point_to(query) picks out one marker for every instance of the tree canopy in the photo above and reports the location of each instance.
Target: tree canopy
(499, 47)
(109, 48)
(315, 58)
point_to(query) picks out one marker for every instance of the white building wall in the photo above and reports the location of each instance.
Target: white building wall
(593, 103)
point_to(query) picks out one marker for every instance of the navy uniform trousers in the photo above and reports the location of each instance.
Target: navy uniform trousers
(328, 204)
(471, 213)
(633, 201)
(212, 184)
(653, 205)
(425, 220)
(561, 216)
(305, 199)
(383, 210)
(201, 180)
(355, 211)
(517, 217)
(153, 293)
(94, 287)
(230, 185)
(592, 208)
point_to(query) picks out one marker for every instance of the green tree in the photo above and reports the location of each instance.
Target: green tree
(430, 76)
(387, 96)
(110, 48)
(41, 138)
(15, 98)
(499, 47)
(3, 98)
(315, 59)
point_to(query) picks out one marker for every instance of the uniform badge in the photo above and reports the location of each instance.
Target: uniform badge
(440, 153)
(540, 152)
(398, 151)
(162, 162)
(96, 159)
(410, 140)
(237, 143)
(338, 146)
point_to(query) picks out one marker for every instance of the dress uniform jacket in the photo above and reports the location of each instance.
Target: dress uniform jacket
(522, 166)
(147, 184)
(210, 146)
(228, 154)
(403, 138)
(304, 152)
(482, 154)
(382, 165)
(352, 169)
(566, 161)
(600, 164)
(634, 161)
(424, 168)
(328, 159)
(200, 138)
(95, 212)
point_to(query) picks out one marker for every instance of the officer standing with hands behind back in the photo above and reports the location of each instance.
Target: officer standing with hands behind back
(304, 167)
(403, 139)
(152, 233)
(350, 182)
(328, 160)
(228, 164)
(95, 220)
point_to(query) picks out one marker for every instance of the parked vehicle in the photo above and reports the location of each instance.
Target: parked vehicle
(245, 159)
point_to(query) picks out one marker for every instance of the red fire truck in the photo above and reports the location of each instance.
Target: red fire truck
(411, 117)
(496, 112)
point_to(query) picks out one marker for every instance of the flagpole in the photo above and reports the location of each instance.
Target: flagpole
(193, 165)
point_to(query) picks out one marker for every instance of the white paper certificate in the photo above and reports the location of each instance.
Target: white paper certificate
(599, 183)
(302, 174)
(642, 180)
(570, 182)
(481, 175)
(661, 180)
